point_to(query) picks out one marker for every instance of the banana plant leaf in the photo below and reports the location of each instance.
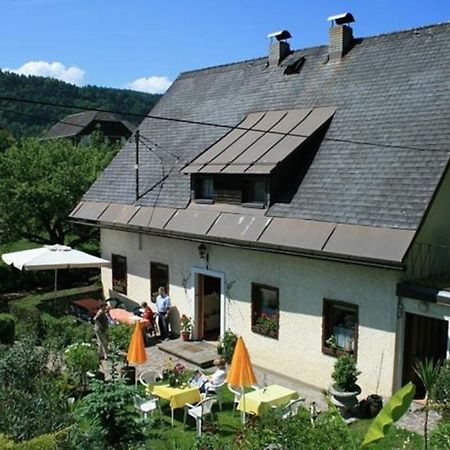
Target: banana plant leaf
(394, 409)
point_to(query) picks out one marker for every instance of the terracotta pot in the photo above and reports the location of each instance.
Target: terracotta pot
(185, 335)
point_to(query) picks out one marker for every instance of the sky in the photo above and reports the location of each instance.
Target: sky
(145, 44)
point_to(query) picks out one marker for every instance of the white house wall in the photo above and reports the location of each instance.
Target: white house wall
(303, 284)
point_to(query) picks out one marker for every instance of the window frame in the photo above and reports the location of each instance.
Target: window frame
(328, 318)
(199, 189)
(248, 190)
(119, 278)
(256, 312)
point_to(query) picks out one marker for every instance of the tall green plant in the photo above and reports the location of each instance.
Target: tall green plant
(227, 345)
(428, 371)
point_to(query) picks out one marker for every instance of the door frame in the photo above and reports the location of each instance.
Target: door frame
(195, 271)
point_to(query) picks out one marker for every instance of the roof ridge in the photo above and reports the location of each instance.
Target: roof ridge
(316, 47)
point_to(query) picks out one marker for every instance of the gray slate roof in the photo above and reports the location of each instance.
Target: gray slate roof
(392, 90)
(74, 124)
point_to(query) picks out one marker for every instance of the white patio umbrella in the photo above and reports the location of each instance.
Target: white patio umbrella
(53, 257)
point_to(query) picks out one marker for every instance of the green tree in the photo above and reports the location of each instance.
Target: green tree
(41, 183)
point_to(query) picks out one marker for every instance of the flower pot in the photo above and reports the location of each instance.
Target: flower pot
(128, 373)
(185, 335)
(345, 401)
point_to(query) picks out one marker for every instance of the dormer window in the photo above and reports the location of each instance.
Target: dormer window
(254, 193)
(204, 189)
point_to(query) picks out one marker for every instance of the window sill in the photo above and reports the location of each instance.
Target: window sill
(336, 352)
(204, 201)
(269, 335)
(254, 205)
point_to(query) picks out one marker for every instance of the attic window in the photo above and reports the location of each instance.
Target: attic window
(204, 189)
(254, 193)
(295, 67)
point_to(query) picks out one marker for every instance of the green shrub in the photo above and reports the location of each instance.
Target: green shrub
(107, 416)
(441, 389)
(50, 441)
(345, 373)
(64, 331)
(7, 329)
(440, 436)
(81, 358)
(226, 345)
(120, 336)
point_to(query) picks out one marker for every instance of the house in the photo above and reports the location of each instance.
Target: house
(299, 199)
(80, 126)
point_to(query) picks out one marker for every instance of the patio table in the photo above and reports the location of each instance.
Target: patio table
(178, 396)
(124, 316)
(261, 400)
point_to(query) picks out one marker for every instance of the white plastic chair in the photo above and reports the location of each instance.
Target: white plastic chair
(145, 406)
(217, 390)
(291, 409)
(198, 411)
(148, 377)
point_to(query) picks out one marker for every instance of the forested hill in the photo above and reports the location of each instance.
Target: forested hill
(25, 120)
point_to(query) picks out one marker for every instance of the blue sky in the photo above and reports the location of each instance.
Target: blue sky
(114, 43)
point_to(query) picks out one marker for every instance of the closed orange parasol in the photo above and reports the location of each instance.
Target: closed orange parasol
(241, 371)
(136, 350)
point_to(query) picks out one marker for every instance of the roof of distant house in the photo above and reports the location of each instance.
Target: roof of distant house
(77, 124)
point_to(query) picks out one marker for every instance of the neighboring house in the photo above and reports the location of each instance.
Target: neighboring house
(305, 223)
(80, 126)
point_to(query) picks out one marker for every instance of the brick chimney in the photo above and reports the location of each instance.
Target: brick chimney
(279, 47)
(341, 41)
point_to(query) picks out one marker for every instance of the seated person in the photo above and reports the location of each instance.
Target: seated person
(148, 314)
(217, 378)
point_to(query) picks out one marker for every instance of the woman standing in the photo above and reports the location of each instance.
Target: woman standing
(101, 328)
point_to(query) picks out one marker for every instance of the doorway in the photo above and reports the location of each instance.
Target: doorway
(208, 306)
(425, 337)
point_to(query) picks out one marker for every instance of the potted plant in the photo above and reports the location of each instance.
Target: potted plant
(345, 390)
(185, 327)
(226, 345)
(119, 337)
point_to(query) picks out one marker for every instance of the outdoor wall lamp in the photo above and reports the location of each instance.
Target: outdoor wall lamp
(203, 252)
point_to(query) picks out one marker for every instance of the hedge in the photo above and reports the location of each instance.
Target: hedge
(7, 329)
(28, 311)
(50, 441)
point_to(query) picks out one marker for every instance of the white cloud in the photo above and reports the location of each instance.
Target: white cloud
(73, 74)
(152, 85)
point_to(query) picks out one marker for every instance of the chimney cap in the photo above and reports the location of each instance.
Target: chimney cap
(341, 19)
(280, 35)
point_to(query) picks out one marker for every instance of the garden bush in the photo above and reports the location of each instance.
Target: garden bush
(50, 441)
(7, 329)
(32, 402)
(440, 436)
(226, 345)
(441, 389)
(345, 373)
(106, 418)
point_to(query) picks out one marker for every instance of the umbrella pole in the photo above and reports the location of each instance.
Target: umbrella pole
(243, 406)
(56, 280)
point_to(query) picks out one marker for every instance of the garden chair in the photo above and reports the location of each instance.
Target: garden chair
(198, 411)
(148, 378)
(217, 390)
(147, 405)
(291, 409)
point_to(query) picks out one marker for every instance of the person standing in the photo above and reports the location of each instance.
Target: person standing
(101, 328)
(163, 307)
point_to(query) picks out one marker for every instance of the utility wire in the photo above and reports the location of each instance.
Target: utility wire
(211, 124)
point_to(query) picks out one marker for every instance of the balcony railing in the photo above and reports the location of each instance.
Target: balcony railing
(428, 261)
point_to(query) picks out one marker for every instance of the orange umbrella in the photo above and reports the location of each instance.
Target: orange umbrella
(136, 350)
(241, 371)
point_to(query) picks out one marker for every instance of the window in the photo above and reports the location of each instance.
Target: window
(265, 310)
(339, 328)
(204, 189)
(254, 193)
(119, 274)
(159, 277)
